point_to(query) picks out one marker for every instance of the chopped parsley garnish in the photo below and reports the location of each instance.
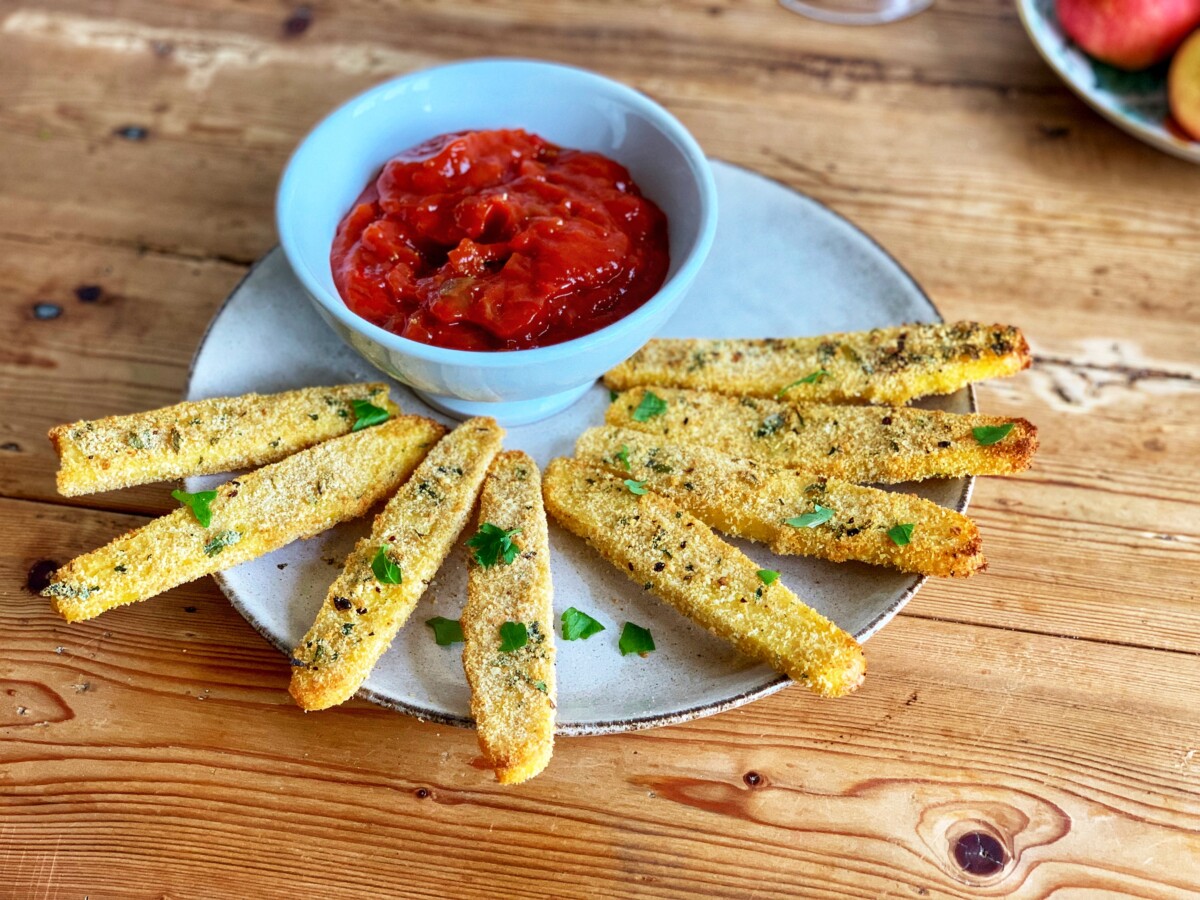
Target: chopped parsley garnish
(578, 626)
(819, 516)
(635, 487)
(445, 631)
(992, 434)
(513, 636)
(652, 405)
(623, 456)
(768, 576)
(385, 570)
(367, 414)
(635, 639)
(198, 503)
(612, 396)
(220, 541)
(492, 544)
(810, 378)
(901, 534)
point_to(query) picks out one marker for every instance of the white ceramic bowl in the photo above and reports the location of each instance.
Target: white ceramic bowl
(569, 107)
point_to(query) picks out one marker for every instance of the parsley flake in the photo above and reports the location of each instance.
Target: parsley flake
(446, 631)
(810, 378)
(198, 503)
(991, 434)
(652, 405)
(623, 456)
(220, 541)
(635, 487)
(635, 639)
(492, 544)
(768, 576)
(578, 625)
(901, 534)
(385, 570)
(819, 516)
(513, 636)
(367, 414)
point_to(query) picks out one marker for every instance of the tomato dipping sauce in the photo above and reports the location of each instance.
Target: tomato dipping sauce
(499, 240)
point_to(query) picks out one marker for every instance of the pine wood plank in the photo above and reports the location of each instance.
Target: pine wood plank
(157, 750)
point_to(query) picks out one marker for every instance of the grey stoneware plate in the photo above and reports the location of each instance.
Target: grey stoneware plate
(782, 264)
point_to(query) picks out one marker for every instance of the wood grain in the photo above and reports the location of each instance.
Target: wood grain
(165, 728)
(1049, 704)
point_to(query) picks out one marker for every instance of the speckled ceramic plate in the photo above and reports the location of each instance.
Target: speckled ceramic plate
(1134, 101)
(782, 264)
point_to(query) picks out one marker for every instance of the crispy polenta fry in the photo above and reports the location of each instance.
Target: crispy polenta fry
(203, 437)
(386, 573)
(513, 693)
(262, 511)
(752, 500)
(863, 444)
(885, 365)
(678, 558)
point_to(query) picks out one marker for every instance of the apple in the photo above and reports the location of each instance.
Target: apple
(1183, 86)
(1129, 34)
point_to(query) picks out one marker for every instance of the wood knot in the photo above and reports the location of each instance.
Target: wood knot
(978, 853)
(297, 23)
(39, 575)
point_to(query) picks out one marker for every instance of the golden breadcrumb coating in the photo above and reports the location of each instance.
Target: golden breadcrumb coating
(512, 694)
(884, 365)
(362, 614)
(863, 444)
(262, 511)
(752, 500)
(203, 437)
(679, 559)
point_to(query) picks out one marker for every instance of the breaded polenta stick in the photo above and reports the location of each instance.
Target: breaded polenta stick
(753, 500)
(203, 437)
(262, 511)
(863, 444)
(386, 573)
(512, 694)
(885, 365)
(679, 559)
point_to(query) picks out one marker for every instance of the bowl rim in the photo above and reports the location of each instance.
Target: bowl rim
(665, 121)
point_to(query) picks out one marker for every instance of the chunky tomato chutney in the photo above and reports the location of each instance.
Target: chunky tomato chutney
(499, 240)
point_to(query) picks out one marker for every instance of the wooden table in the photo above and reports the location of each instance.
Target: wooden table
(1052, 704)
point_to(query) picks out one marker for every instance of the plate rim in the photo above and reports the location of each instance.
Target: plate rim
(633, 723)
(1158, 138)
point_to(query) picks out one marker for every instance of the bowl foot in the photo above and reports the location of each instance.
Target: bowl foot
(506, 412)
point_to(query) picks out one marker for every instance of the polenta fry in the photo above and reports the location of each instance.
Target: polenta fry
(203, 437)
(262, 511)
(885, 365)
(679, 559)
(862, 444)
(752, 500)
(512, 694)
(386, 573)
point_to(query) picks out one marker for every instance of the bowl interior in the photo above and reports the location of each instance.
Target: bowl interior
(569, 107)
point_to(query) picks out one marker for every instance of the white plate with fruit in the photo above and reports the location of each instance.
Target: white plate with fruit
(1136, 62)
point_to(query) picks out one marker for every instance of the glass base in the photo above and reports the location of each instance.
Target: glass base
(857, 12)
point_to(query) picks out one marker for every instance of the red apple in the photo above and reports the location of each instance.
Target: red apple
(1129, 34)
(1183, 86)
